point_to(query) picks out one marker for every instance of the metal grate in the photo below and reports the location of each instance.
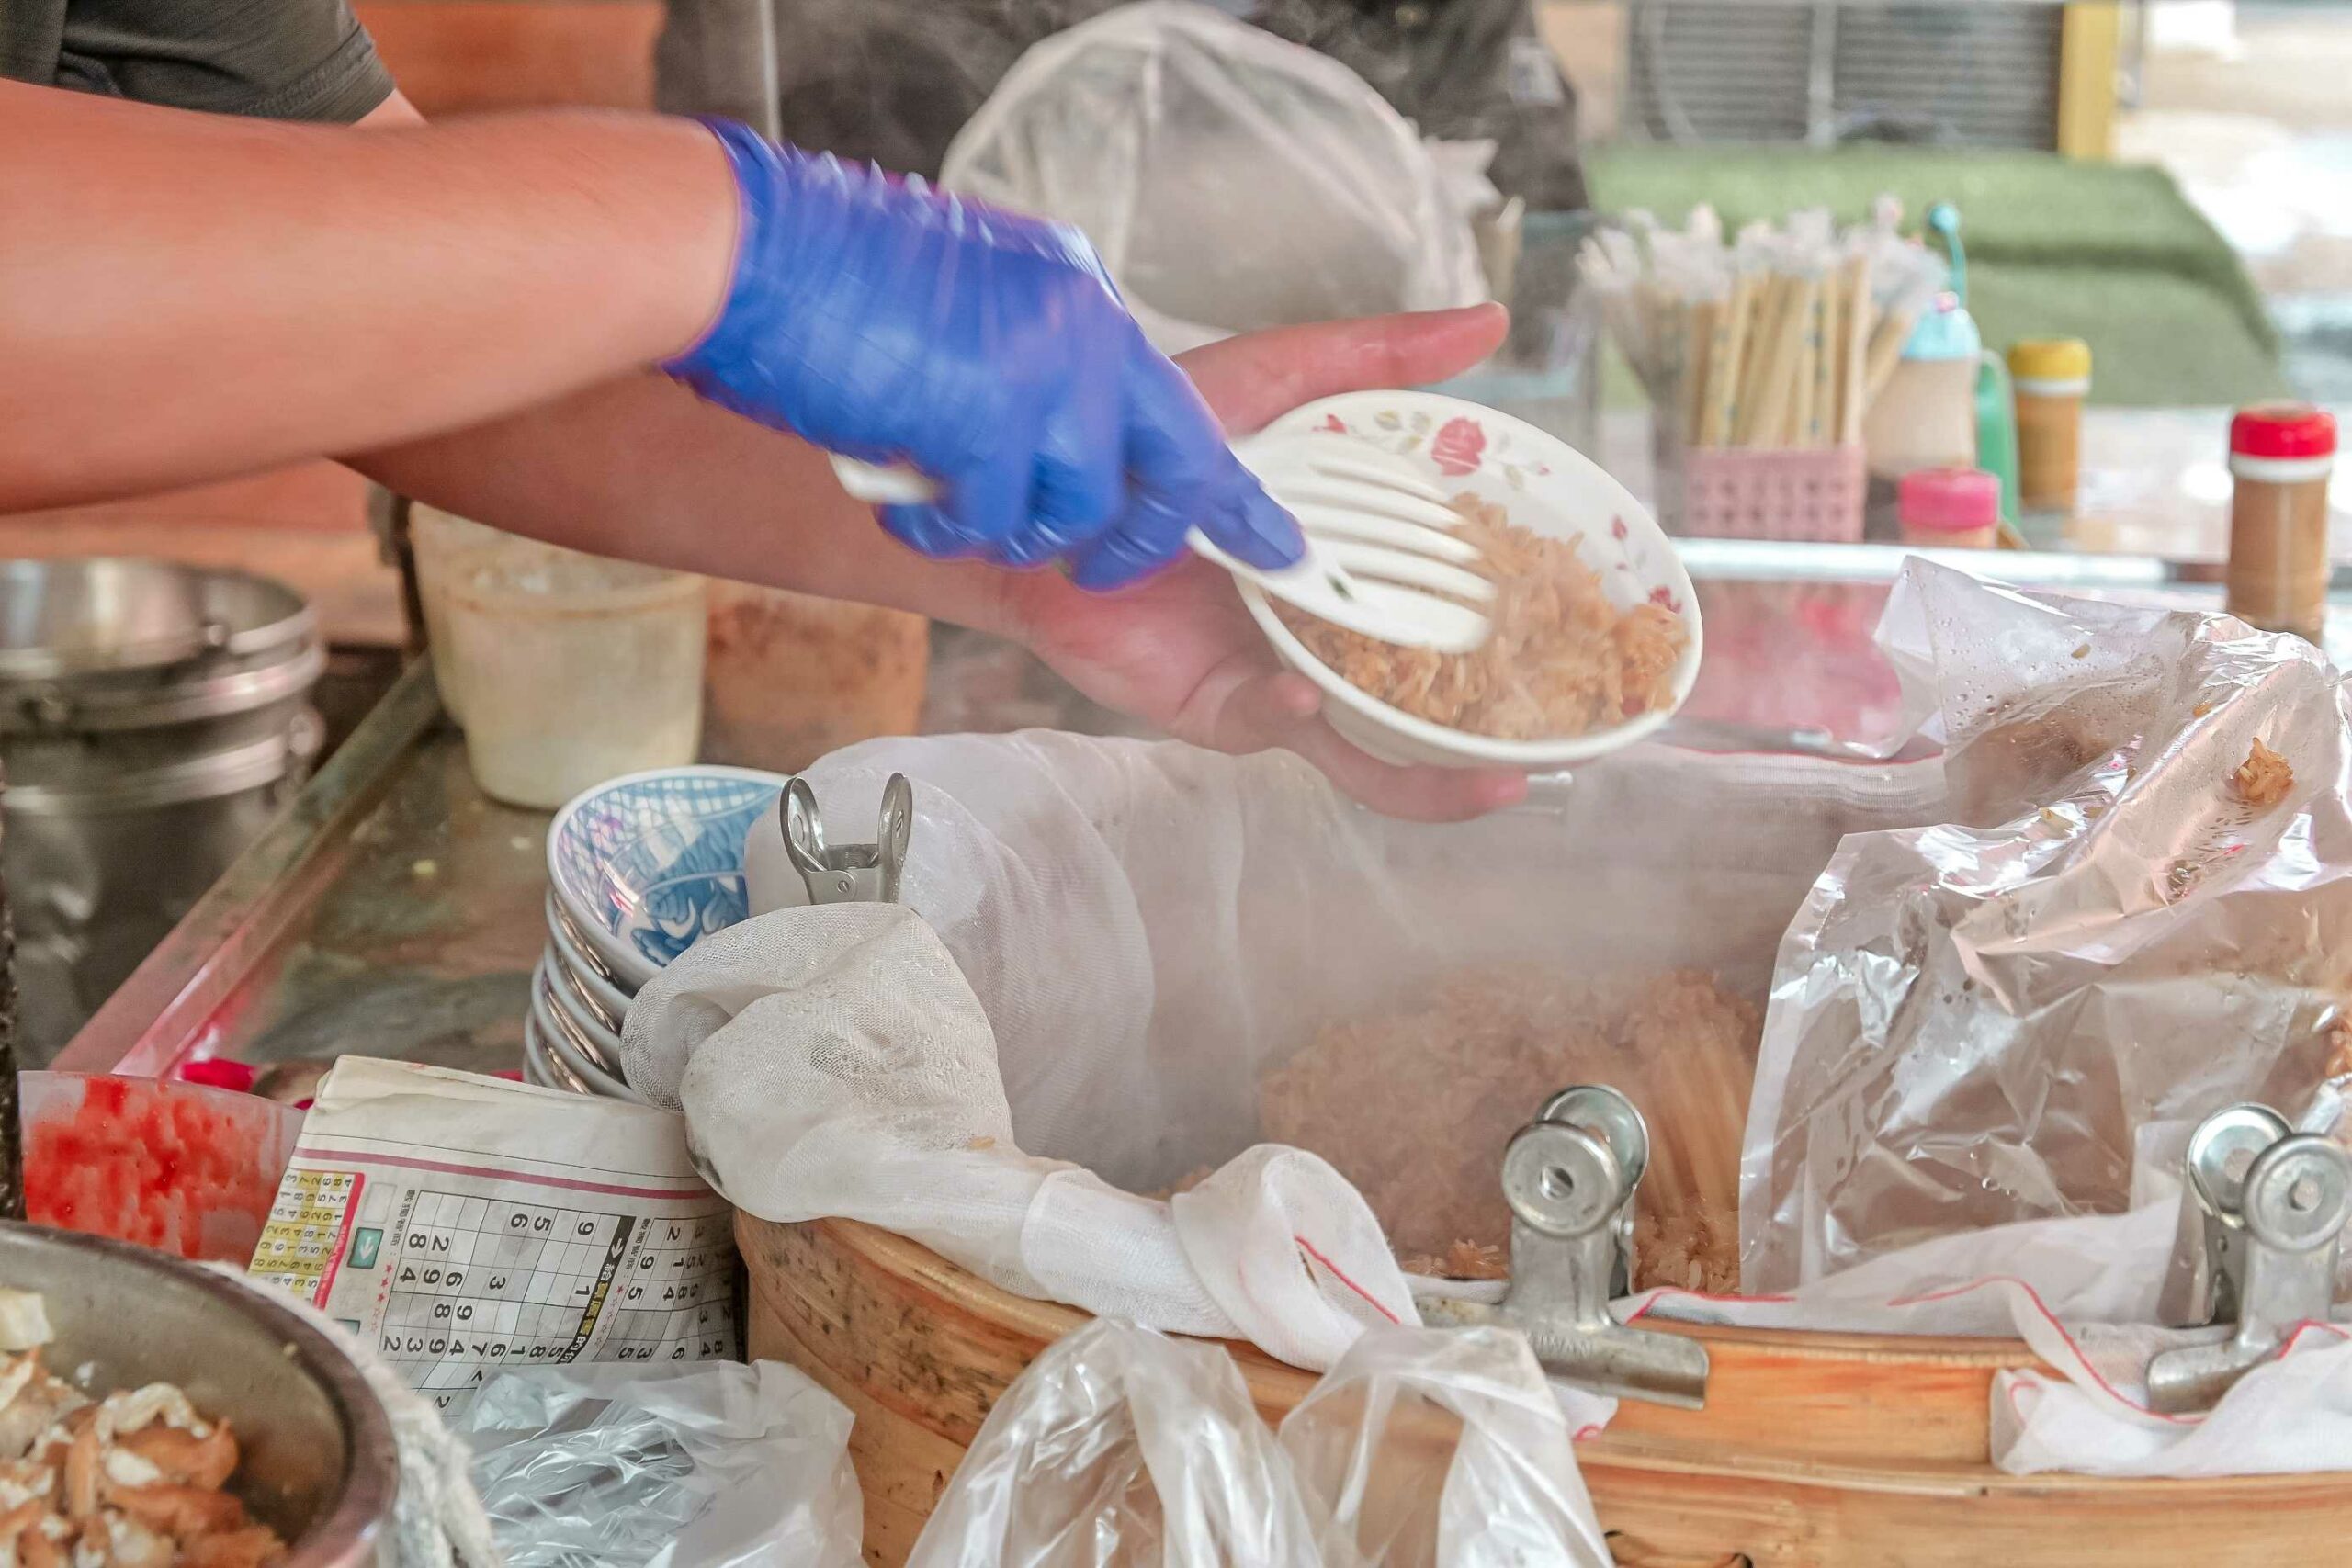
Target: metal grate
(1974, 75)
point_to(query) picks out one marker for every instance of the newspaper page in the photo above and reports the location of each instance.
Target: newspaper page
(461, 1224)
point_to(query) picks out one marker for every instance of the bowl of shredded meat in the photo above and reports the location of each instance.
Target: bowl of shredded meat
(154, 1413)
(1596, 637)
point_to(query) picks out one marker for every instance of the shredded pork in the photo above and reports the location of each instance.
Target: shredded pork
(1414, 1105)
(1564, 660)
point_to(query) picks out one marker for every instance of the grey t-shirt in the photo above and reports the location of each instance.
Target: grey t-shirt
(271, 59)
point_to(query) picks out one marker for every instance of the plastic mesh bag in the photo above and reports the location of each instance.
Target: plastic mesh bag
(714, 1466)
(1423, 1448)
(1117, 941)
(1230, 180)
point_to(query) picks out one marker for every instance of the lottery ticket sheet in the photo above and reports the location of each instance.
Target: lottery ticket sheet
(462, 1225)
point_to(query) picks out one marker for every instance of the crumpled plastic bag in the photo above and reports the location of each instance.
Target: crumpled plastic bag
(1446, 1447)
(1422, 1449)
(719, 1465)
(2007, 1014)
(1231, 181)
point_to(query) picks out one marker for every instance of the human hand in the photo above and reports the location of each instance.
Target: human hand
(889, 323)
(1181, 653)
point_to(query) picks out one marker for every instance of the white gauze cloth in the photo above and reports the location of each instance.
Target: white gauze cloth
(837, 1065)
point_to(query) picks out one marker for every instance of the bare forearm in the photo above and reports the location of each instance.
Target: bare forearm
(184, 296)
(642, 469)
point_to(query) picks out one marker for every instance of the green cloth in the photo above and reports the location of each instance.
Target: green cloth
(2108, 252)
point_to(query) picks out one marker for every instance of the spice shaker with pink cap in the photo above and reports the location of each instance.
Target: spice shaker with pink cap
(1949, 509)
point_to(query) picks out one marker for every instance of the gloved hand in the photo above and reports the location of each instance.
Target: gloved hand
(891, 322)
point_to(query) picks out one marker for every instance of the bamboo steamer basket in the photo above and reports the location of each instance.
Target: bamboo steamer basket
(1815, 1451)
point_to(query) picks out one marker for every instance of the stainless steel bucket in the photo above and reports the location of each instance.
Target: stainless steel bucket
(320, 1466)
(154, 718)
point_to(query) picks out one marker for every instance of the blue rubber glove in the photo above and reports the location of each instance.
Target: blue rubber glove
(891, 322)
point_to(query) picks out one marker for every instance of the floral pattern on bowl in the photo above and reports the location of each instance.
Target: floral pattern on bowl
(1546, 485)
(648, 866)
(1466, 444)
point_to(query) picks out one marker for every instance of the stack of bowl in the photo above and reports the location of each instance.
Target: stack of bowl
(152, 718)
(639, 869)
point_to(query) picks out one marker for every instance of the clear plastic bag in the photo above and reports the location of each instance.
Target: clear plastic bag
(1429, 1448)
(1231, 180)
(619, 1466)
(1423, 1448)
(1120, 1448)
(2007, 1014)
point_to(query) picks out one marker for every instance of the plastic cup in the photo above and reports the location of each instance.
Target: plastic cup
(436, 537)
(571, 669)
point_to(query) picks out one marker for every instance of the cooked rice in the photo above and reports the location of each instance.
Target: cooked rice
(1414, 1105)
(1562, 660)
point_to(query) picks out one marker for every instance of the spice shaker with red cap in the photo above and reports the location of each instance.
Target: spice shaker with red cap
(2281, 457)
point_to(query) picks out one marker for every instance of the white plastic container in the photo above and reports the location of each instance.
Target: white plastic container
(436, 538)
(570, 668)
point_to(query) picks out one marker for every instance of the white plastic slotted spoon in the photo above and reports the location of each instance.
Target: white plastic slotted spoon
(1382, 555)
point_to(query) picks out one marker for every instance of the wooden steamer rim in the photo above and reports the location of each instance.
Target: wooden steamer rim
(1814, 1450)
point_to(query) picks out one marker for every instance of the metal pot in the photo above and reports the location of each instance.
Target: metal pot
(113, 616)
(102, 868)
(320, 1466)
(152, 718)
(96, 744)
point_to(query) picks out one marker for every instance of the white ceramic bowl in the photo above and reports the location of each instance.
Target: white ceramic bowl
(555, 1031)
(1550, 487)
(577, 957)
(648, 864)
(572, 1000)
(539, 1068)
(572, 963)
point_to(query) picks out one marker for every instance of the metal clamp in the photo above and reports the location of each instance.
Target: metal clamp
(854, 873)
(1570, 1178)
(2262, 1214)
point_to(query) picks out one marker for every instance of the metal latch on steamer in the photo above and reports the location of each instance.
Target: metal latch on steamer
(2262, 1214)
(1570, 1177)
(853, 874)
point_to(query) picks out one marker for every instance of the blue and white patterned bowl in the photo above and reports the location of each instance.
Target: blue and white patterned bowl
(648, 865)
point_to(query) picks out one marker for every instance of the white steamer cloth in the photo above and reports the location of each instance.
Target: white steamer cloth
(1147, 929)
